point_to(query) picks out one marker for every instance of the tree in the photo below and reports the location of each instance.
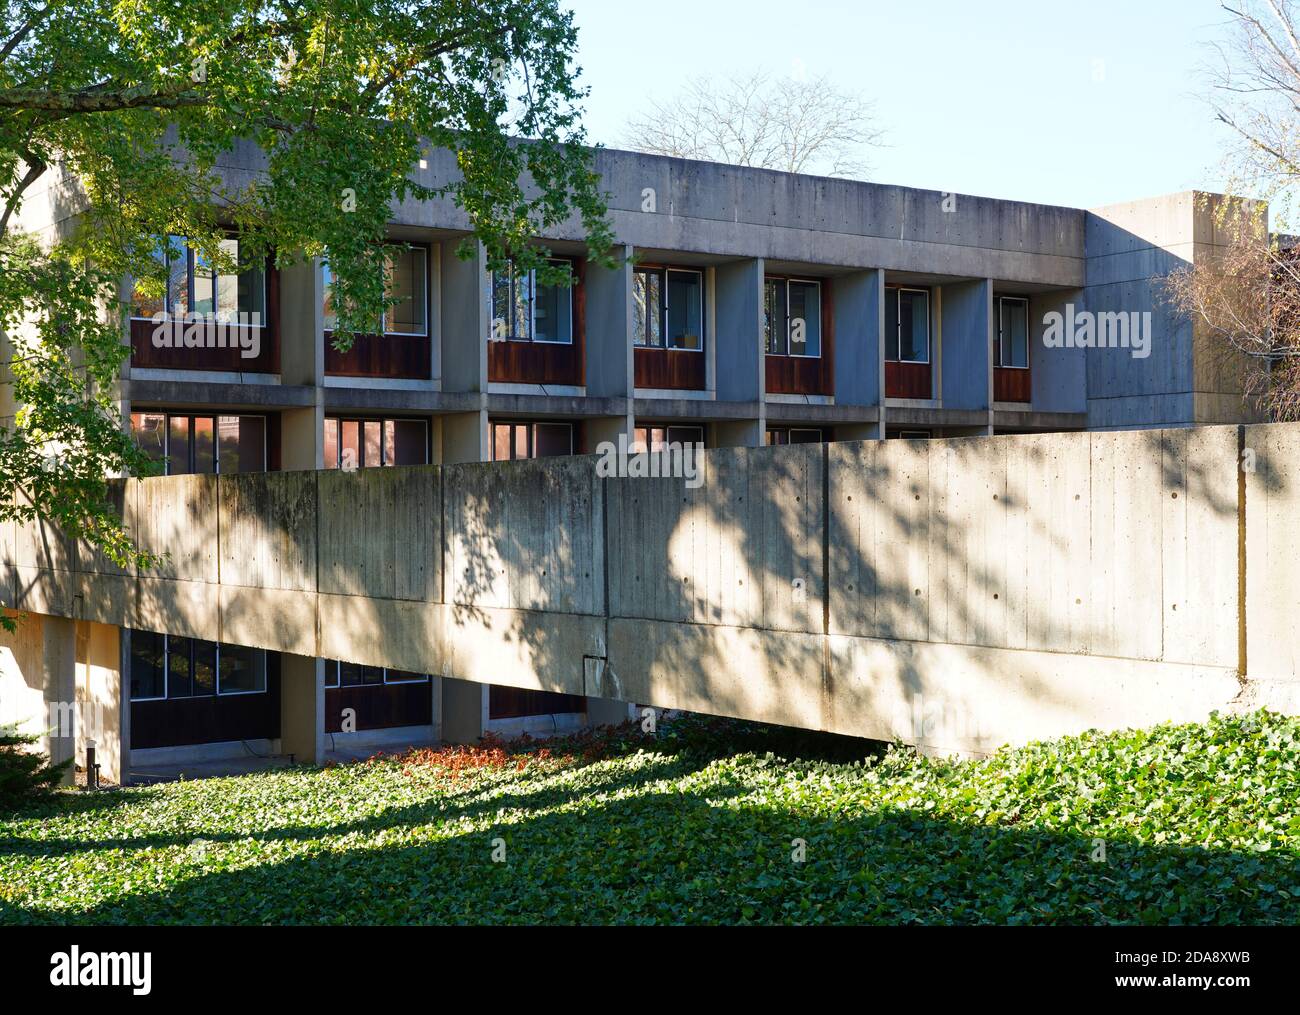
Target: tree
(136, 103)
(796, 126)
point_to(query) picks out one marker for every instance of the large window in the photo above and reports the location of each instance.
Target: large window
(375, 443)
(525, 311)
(196, 287)
(341, 674)
(779, 436)
(792, 317)
(171, 667)
(202, 444)
(516, 440)
(405, 283)
(1013, 332)
(668, 309)
(659, 437)
(907, 325)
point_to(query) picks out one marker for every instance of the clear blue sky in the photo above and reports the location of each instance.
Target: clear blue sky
(994, 98)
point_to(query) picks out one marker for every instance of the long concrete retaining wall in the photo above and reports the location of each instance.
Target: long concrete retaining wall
(953, 594)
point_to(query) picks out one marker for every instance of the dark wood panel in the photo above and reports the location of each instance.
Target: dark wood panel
(534, 363)
(672, 369)
(908, 380)
(795, 375)
(405, 357)
(516, 703)
(1011, 385)
(215, 719)
(380, 706)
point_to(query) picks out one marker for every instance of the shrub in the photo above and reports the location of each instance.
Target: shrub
(25, 775)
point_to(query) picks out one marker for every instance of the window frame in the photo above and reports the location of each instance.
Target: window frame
(217, 692)
(216, 418)
(1024, 301)
(530, 426)
(336, 667)
(663, 272)
(191, 274)
(361, 421)
(531, 277)
(786, 281)
(405, 247)
(895, 293)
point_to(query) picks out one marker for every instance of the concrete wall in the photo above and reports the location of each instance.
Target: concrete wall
(957, 594)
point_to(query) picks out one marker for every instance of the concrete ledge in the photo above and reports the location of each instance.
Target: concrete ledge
(168, 394)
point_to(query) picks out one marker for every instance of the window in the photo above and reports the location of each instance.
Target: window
(340, 674)
(1013, 332)
(375, 443)
(668, 309)
(781, 436)
(792, 317)
(202, 444)
(198, 287)
(907, 325)
(525, 311)
(515, 441)
(659, 438)
(405, 281)
(170, 667)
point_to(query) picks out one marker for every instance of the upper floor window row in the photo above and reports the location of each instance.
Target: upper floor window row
(792, 317)
(524, 310)
(907, 325)
(406, 274)
(195, 286)
(668, 309)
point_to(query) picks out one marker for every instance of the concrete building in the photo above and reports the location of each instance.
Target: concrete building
(751, 308)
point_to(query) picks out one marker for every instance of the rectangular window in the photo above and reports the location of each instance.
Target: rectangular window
(907, 325)
(148, 666)
(781, 436)
(775, 317)
(685, 310)
(792, 317)
(340, 674)
(202, 444)
(517, 441)
(648, 308)
(195, 285)
(242, 670)
(405, 281)
(660, 437)
(1013, 332)
(170, 666)
(524, 310)
(375, 443)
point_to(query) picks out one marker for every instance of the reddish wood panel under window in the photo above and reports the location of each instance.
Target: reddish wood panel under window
(535, 362)
(670, 369)
(408, 357)
(908, 380)
(380, 706)
(516, 703)
(799, 375)
(1011, 385)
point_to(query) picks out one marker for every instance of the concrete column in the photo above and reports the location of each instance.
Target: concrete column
(858, 313)
(59, 683)
(464, 326)
(966, 330)
(464, 704)
(464, 438)
(740, 433)
(1058, 377)
(302, 708)
(740, 355)
(302, 364)
(609, 369)
(103, 700)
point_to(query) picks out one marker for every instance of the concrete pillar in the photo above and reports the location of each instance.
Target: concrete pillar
(302, 364)
(740, 433)
(103, 700)
(609, 369)
(464, 707)
(302, 708)
(603, 712)
(858, 313)
(966, 337)
(739, 331)
(59, 682)
(1058, 377)
(465, 320)
(464, 438)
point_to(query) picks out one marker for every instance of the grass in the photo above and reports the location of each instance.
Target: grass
(700, 824)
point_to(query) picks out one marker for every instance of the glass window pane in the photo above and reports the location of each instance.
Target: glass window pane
(178, 276)
(684, 435)
(1015, 333)
(403, 677)
(521, 311)
(148, 306)
(179, 461)
(373, 455)
(242, 444)
(205, 444)
(805, 436)
(501, 306)
(205, 285)
(775, 438)
(647, 309)
(331, 319)
(331, 673)
(891, 325)
(331, 453)
(243, 670)
(180, 678)
(805, 319)
(501, 442)
(523, 440)
(774, 317)
(406, 442)
(553, 316)
(147, 669)
(405, 281)
(350, 444)
(914, 330)
(351, 675)
(150, 431)
(554, 440)
(205, 668)
(685, 310)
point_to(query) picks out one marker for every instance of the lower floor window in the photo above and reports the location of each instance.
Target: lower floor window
(341, 674)
(515, 440)
(165, 666)
(658, 437)
(781, 435)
